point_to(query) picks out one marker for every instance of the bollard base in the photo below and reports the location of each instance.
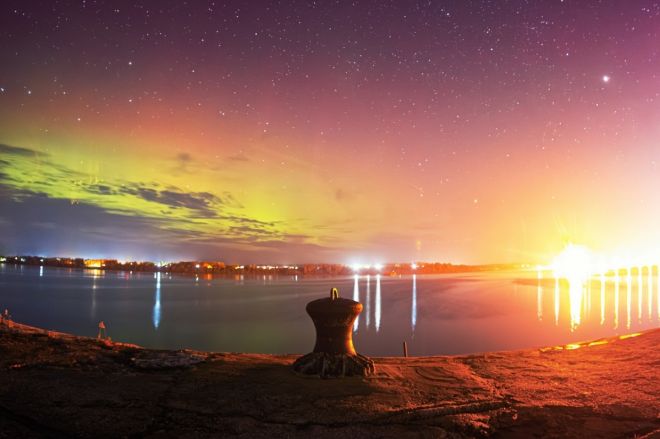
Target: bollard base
(334, 365)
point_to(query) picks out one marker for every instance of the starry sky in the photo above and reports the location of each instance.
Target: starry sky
(370, 131)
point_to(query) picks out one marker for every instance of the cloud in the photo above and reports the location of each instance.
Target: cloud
(18, 151)
(101, 189)
(251, 231)
(183, 157)
(202, 202)
(183, 161)
(47, 207)
(240, 157)
(34, 223)
(341, 195)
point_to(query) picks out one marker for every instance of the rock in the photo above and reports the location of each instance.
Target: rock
(166, 359)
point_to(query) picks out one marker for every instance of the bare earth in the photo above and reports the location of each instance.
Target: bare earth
(58, 385)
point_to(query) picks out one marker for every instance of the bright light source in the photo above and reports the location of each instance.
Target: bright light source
(413, 266)
(573, 263)
(378, 267)
(606, 78)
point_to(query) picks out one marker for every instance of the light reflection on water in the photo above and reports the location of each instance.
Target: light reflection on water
(377, 305)
(449, 314)
(413, 312)
(368, 301)
(577, 295)
(156, 313)
(356, 297)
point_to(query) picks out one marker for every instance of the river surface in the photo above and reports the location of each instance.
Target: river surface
(434, 315)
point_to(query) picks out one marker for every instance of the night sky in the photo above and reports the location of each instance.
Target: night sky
(464, 131)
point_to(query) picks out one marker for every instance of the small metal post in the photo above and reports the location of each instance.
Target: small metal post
(405, 349)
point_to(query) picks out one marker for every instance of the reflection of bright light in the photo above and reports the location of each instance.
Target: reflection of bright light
(640, 295)
(556, 300)
(356, 297)
(602, 298)
(413, 316)
(156, 312)
(616, 298)
(539, 294)
(377, 316)
(574, 264)
(650, 293)
(628, 296)
(657, 292)
(368, 300)
(41, 271)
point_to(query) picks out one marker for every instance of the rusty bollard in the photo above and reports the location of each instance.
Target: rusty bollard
(334, 354)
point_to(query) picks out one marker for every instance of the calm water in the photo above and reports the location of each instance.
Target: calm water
(449, 314)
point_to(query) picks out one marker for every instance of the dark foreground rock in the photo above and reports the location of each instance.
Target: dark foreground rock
(56, 385)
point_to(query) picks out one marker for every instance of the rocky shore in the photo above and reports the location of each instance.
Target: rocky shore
(59, 385)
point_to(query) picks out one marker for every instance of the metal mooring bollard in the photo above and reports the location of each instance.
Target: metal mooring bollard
(334, 354)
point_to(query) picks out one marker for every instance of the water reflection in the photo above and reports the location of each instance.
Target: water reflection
(369, 311)
(639, 294)
(368, 300)
(602, 298)
(616, 299)
(457, 309)
(628, 298)
(377, 312)
(356, 297)
(156, 311)
(576, 295)
(95, 275)
(413, 313)
(574, 298)
(649, 282)
(556, 300)
(539, 294)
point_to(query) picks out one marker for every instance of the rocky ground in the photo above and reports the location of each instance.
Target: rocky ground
(58, 385)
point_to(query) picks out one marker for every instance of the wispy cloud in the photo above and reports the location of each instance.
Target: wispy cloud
(29, 175)
(17, 150)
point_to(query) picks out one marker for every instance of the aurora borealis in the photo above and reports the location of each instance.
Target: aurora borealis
(464, 131)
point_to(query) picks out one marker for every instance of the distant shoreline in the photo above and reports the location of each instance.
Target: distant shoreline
(218, 268)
